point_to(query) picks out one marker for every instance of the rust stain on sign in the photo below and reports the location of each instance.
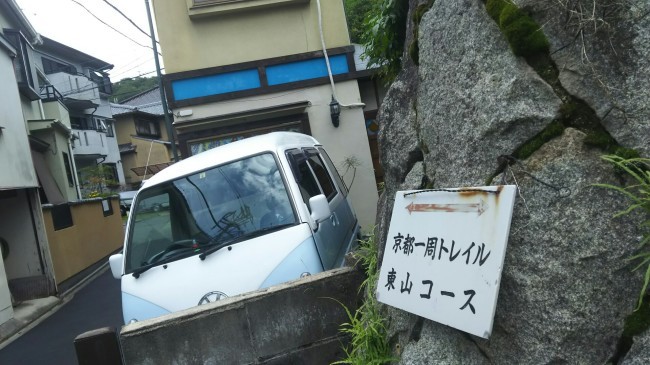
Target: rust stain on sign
(479, 208)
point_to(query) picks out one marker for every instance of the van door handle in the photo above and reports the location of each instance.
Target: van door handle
(334, 219)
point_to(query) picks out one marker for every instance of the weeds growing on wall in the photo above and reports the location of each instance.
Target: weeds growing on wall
(638, 194)
(367, 327)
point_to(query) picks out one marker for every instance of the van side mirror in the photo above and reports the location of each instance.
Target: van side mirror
(117, 264)
(320, 208)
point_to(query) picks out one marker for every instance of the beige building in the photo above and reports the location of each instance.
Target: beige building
(142, 137)
(240, 68)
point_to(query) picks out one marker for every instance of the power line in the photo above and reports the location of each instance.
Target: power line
(136, 66)
(108, 25)
(129, 19)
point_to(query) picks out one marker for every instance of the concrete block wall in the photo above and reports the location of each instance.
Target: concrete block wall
(292, 323)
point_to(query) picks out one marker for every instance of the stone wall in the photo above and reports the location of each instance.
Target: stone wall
(449, 120)
(293, 323)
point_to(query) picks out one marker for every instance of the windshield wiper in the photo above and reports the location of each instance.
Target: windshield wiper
(216, 246)
(136, 273)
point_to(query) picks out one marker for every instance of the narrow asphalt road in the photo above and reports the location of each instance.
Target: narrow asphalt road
(96, 305)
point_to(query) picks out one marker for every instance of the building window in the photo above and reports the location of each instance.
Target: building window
(147, 128)
(103, 82)
(22, 64)
(83, 123)
(68, 170)
(204, 7)
(109, 128)
(51, 67)
(210, 139)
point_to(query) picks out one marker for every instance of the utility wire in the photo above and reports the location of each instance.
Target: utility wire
(129, 19)
(108, 25)
(92, 87)
(134, 67)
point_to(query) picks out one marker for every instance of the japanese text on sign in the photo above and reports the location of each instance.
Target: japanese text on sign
(444, 255)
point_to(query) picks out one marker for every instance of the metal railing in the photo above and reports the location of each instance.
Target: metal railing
(50, 93)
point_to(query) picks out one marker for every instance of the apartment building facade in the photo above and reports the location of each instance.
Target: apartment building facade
(245, 67)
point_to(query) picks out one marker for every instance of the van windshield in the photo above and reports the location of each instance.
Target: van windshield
(186, 216)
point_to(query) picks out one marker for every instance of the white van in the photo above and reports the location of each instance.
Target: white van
(237, 218)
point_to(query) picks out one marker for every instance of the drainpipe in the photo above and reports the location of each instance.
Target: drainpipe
(75, 176)
(40, 108)
(327, 60)
(168, 122)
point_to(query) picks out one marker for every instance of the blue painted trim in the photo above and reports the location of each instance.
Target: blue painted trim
(137, 308)
(305, 70)
(223, 83)
(216, 84)
(303, 258)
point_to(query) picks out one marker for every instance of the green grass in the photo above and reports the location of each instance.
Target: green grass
(638, 194)
(367, 326)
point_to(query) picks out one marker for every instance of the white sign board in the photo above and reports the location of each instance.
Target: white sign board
(444, 254)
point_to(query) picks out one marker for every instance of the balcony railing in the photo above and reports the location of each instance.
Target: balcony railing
(89, 142)
(50, 93)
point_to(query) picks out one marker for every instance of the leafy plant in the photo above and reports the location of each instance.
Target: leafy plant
(639, 196)
(384, 35)
(356, 13)
(96, 179)
(351, 163)
(367, 327)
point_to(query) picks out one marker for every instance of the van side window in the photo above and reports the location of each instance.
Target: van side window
(306, 180)
(334, 172)
(311, 174)
(324, 179)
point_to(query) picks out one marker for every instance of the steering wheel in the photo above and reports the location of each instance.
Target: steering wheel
(178, 245)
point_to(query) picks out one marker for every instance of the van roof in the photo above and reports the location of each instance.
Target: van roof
(230, 152)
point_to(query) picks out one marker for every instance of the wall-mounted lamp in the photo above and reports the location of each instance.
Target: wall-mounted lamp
(335, 111)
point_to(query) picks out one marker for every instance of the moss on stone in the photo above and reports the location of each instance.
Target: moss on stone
(494, 8)
(635, 324)
(627, 153)
(414, 47)
(414, 51)
(554, 129)
(522, 32)
(420, 10)
(599, 139)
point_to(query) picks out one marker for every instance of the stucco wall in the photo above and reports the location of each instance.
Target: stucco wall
(293, 323)
(90, 239)
(14, 146)
(249, 35)
(17, 228)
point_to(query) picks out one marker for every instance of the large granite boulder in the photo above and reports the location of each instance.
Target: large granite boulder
(566, 286)
(639, 354)
(476, 100)
(602, 50)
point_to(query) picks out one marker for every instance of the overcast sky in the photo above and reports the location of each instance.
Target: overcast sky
(66, 22)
